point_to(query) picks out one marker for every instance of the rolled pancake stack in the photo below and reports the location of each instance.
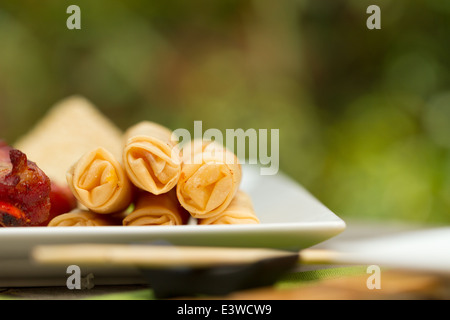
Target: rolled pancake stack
(141, 175)
(199, 181)
(166, 186)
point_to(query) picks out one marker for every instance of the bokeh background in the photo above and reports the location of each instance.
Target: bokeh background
(364, 115)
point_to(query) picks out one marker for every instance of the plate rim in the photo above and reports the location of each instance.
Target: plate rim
(337, 224)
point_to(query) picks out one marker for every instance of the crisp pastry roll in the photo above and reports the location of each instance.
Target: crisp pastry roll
(240, 211)
(83, 218)
(151, 157)
(209, 180)
(100, 183)
(157, 210)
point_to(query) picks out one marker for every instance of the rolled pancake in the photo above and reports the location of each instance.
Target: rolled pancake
(209, 180)
(240, 211)
(100, 183)
(82, 218)
(157, 210)
(71, 128)
(151, 158)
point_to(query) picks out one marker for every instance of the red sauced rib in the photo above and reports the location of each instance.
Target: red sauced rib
(26, 193)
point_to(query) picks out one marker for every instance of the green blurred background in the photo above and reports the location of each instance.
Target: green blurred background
(363, 114)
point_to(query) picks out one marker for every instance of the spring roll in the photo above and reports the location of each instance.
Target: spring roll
(209, 180)
(157, 210)
(240, 211)
(83, 218)
(100, 183)
(151, 158)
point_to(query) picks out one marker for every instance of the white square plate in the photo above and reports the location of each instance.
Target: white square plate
(291, 218)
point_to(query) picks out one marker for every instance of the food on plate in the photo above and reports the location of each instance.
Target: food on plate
(24, 190)
(157, 210)
(71, 128)
(151, 158)
(142, 175)
(209, 180)
(240, 211)
(100, 183)
(84, 218)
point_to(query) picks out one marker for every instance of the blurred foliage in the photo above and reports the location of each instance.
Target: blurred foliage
(363, 114)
